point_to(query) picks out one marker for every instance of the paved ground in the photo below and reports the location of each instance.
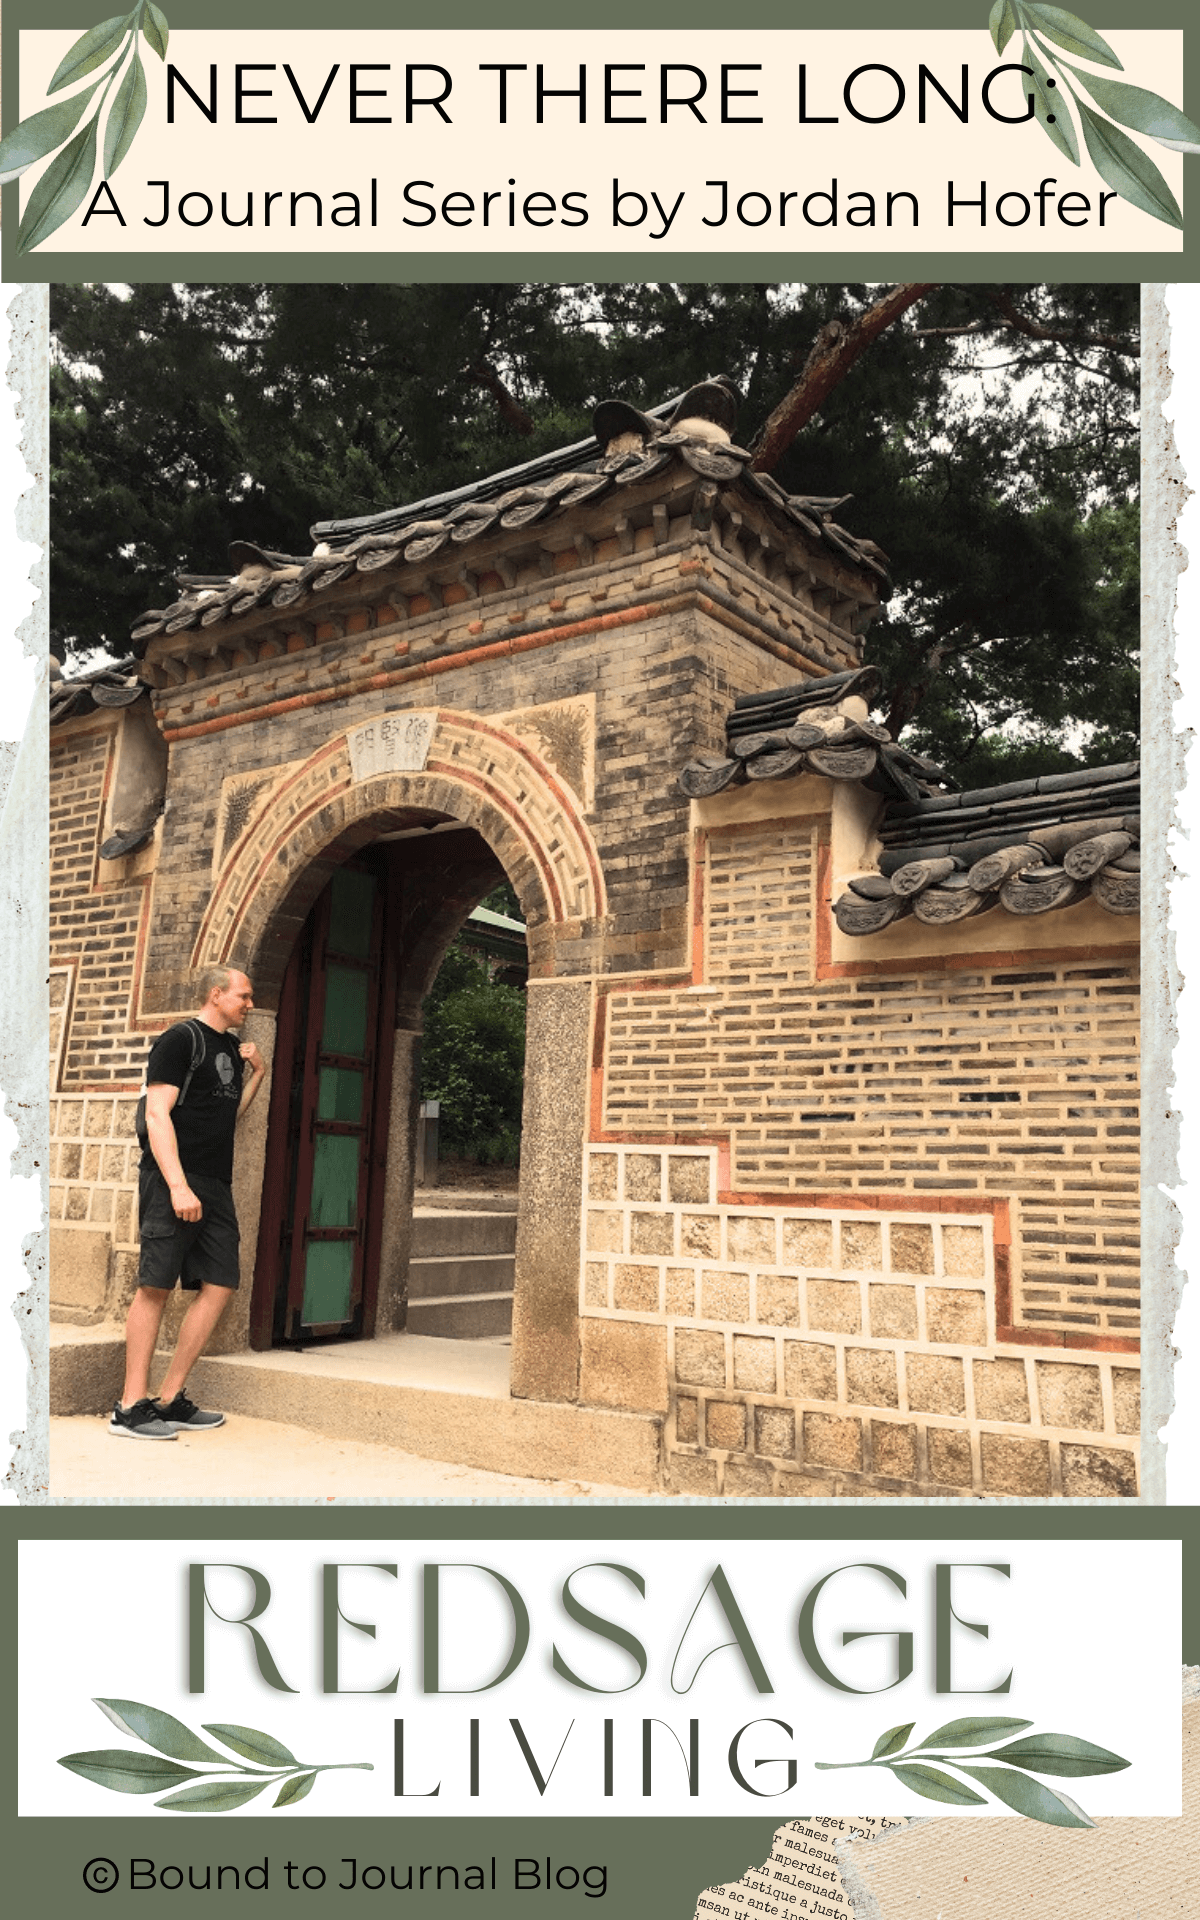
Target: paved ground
(264, 1459)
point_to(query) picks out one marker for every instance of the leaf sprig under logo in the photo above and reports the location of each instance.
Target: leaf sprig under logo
(215, 1788)
(65, 182)
(1118, 160)
(1059, 1754)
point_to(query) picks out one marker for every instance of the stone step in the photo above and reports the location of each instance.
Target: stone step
(443, 1399)
(442, 1232)
(474, 1273)
(466, 1199)
(469, 1316)
(87, 1367)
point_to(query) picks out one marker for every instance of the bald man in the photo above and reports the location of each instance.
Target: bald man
(198, 1082)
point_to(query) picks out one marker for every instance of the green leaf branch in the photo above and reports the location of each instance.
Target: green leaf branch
(1119, 161)
(214, 1788)
(67, 179)
(1060, 1754)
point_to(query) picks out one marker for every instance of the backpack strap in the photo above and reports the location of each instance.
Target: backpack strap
(139, 1118)
(197, 1039)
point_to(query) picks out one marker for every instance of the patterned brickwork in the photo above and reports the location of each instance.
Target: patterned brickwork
(95, 1174)
(759, 896)
(649, 703)
(481, 761)
(94, 922)
(993, 1082)
(822, 1350)
(97, 1057)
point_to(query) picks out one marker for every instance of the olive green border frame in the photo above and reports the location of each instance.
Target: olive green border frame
(621, 15)
(657, 1866)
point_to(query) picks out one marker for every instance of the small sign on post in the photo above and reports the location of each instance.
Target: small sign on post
(395, 743)
(427, 1143)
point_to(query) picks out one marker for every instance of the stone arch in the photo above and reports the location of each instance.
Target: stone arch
(476, 771)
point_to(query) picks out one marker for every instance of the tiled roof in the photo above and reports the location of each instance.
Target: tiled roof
(802, 729)
(445, 524)
(117, 685)
(1028, 846)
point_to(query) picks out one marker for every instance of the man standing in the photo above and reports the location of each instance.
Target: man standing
(196, 1087)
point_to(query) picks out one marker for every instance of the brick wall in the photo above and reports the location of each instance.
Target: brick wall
(825, 1350)
(97, 1058)
(912, 1266)
(96, 908)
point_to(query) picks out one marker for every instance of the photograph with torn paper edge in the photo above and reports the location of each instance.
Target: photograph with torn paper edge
(881, 1869)
(822, 1191)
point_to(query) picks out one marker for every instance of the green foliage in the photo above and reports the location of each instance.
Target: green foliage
(61, 189)
(1053, 1753)
(1123, 166)
(1120, 163)
(128, 110)
(34, 138)
(503, 899)
(473, 1060)
(126, 1770)
(993, 459)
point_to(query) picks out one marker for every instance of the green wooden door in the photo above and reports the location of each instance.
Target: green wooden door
(338, 1054)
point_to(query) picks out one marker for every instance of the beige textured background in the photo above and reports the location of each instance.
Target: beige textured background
(994, 1869)
(1005, 1869)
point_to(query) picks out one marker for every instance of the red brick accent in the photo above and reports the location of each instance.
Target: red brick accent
(448, 768)
(699, 873)
(866, 1199)
(428, 669)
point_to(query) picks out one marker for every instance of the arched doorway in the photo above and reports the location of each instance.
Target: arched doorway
(484, 796)
(338, 1177)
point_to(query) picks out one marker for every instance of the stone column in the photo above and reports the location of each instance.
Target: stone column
(545, 1356)
(396, 1244)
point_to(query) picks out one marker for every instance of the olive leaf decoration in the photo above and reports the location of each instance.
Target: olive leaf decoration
(213, 1788)
(1118, 160)
(66, 180)
(1060, 1754)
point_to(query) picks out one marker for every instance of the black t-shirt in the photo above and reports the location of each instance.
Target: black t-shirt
(205, 1120)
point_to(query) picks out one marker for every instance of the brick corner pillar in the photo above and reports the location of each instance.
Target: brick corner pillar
(545, 1356)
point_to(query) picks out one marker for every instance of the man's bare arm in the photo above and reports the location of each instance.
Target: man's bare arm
(253, 1058)
(160, 1100)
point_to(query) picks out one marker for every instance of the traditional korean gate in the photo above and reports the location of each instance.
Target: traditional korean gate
(318, 1265)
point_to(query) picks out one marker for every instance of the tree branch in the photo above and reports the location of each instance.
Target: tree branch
(834, 352)
(1066, 336)
(907, 696)
(483, 374)
(947, 333)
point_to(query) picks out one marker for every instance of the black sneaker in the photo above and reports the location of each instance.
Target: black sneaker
(184, 1416)
(141, 1421)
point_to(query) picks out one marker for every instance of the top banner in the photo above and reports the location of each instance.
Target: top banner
(1040, 139)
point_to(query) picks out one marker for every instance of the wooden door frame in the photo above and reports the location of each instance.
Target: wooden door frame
(275, 1162)
(277, 1184)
